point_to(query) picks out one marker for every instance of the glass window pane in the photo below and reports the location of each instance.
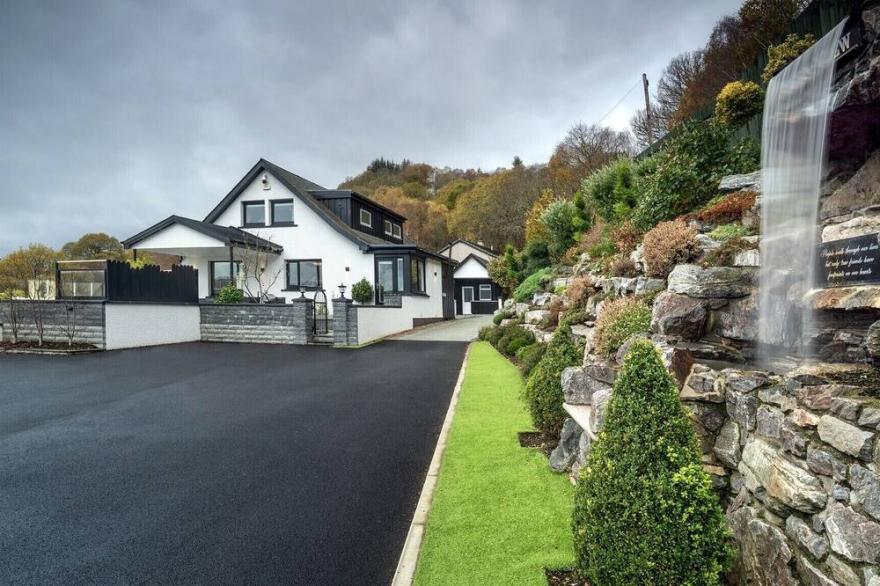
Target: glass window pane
(82, 283)
(400, 278)
(254, 213)
(485, 292)
(282, 212)
(467, 294)
(387, 227)
(292, 275)
(309, 273)
(221, 275)
(366, 218)
(386, 275)
(396, 230)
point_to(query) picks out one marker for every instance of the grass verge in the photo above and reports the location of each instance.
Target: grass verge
(499, 515)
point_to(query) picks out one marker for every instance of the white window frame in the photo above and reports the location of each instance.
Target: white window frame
(388, 228)
(483, 288)
(369, 222)
(468, 288)
(396, 231)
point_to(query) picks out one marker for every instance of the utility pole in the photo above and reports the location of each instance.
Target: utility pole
(648, 118)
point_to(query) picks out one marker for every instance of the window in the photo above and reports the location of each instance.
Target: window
(467, 294)
(416, 274)
(304, 274)
(220, 275)
(388, 229)
(485, 292)
(79, 284)
(396, 231)
(390, 274)
(254, 213)
(282, 212)
(366, 218)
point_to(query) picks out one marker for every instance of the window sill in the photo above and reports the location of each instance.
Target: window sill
(416, 294)
(254, 226)
(283, 225)
(299, 289)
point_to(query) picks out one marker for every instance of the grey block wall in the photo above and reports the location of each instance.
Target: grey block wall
(288, 323)
(88, 325)
(345, 323)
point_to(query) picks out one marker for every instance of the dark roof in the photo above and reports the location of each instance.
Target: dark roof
(492, 253)
(227, 234)
(302, 188)
(348, 193)
(479, 259)
(387, 248)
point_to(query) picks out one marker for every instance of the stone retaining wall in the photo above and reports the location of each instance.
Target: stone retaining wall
(281, 323)
(88, 324)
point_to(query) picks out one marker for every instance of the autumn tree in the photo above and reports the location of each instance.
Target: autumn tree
(94, 246)
(426, 221)
(670, 91)
(31, 268)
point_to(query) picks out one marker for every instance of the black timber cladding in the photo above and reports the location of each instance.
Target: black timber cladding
(347, 205)
(477, 307)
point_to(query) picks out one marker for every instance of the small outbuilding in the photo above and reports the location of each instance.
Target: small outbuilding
(475, 292)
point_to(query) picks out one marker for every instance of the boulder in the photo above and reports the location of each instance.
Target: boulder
(536, 316)
(870, 417)
(852, 535)
(711, 282)
(787, 482)
(678, 360)
(578, 386)
(738, 320)
(709, 416)
(727, 446)
(841, 572)
(648, 285)
(702, 385)
(800, 532)
(861, 191)
(600, 371)
(779, 396)
(859, 297)
(563, 456)
(821, 397)
(846, 437)
(858, 226)
(872, 341)
(811, 575)
(769, 422)
(750, 181)
(600, 406)
(742, 408)
(747, 258)
(824, 462)
(794, 441)
(678, 315)
(637, 257)
(707, 243)
(804, 419)
(542, 299)
(865, 489)
(764, 553)
(520, 309)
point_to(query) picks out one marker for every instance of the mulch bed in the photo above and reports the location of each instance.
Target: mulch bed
(536, 439)
(47, 347)
(564, 577)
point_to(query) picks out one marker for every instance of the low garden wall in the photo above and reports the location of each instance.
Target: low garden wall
(360, 324)
(132, 325)
(275, 323)
(84, 318)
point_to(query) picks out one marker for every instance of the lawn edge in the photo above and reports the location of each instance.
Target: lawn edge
(412, 546)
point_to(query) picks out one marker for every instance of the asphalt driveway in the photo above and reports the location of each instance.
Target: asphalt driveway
(217, 463)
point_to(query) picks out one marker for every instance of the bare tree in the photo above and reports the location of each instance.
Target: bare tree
(588, 147)
(257, 280)
(11, 288)
(33, 268)
(70, 323)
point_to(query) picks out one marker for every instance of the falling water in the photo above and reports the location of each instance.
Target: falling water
(793, 157)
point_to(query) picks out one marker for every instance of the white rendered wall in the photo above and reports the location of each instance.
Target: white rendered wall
(131, 325)
(471, 270)
(311, 238)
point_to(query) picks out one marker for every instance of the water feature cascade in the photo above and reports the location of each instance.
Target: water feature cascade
(793, 160)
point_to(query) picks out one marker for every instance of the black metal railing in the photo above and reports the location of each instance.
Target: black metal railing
(320, 313)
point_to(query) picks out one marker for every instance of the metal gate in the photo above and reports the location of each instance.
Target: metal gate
(319, 323)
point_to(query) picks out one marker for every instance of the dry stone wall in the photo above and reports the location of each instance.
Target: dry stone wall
(281, 323)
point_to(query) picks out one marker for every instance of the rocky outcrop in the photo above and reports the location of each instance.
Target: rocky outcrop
(860, 192)
(749, 181)
(679, 316)
(563, 456)
(711, 282)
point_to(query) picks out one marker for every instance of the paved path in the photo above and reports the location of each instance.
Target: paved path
(216, 463)
(461, 329)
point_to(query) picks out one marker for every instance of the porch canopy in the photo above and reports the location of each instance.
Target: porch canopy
(186, 237)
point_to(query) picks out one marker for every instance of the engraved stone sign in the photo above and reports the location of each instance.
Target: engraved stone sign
(851, 261)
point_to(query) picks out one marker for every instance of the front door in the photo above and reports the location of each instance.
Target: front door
(448, 292)
(467, 296)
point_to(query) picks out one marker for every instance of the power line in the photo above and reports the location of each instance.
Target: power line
(620, 101)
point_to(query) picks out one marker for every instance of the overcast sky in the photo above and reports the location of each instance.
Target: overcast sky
(115, 115)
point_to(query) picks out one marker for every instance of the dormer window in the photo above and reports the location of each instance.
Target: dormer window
(253, 213)
(366, 218)
(397, 231)
(388, 230)
(392, 229)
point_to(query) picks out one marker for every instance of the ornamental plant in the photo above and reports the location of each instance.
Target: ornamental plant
(779, 56)
(645, 511)
(668, 244)
(230, 294)
(618, 320)
(543, 392)
(362, 291)
(738, 102)
(532, 284)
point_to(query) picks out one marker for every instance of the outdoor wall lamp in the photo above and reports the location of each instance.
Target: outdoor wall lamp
(342, 290)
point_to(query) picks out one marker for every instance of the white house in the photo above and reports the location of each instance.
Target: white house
(475, 292)
(314, 239)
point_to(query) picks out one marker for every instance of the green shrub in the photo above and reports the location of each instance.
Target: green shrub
(505, 269)
(362, 291)
(685, 174)
(618, 320)
(612, 189)
(779, 56)
(501, 316)
(738, 102)
(513, 338)
(645, 511)
(534, 257)
(560, 222)
(543, 392)
(532, 284)
(529, 356)
(230, 294)
(728, 231)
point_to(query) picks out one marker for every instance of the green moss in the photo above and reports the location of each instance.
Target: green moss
(727, 231)
(645, 511)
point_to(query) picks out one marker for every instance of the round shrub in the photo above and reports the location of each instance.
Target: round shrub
(362, 291)
(612, 189)
(529, 356)
(618, 320)
(667, 245)
(230, 294)
(645, 511)
(532, 284)
(738, 102)
(514, 338)
(501, 316)
(779, 56)
(543, 393)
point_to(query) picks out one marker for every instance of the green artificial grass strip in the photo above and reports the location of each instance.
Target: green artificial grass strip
(499, 515)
